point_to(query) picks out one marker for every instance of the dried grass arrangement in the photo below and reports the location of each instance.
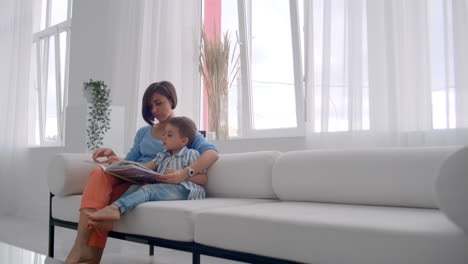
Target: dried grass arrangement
(218, 70)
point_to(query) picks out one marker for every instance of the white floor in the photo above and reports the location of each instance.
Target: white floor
(34, 236)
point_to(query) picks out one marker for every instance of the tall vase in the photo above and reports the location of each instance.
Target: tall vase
(218, 115)
(222, 131)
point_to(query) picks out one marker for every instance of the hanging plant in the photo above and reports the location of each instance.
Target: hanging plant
(97, 94)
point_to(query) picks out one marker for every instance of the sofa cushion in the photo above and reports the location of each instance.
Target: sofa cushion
(332, 233)
(168, 219)
(242, 175)
(452, 188)
(68, 173)
(66, 208)
(393, 176)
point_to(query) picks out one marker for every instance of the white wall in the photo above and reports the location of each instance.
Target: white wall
(89, 59)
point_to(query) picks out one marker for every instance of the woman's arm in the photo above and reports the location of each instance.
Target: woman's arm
(200, 178)
(134, 154)
(208, 154)
(150, 165)
(205, 160)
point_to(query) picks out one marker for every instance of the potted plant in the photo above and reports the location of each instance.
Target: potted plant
(98, 96)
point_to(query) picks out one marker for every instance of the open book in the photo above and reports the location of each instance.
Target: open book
(130, 171)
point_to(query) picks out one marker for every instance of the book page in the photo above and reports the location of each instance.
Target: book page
(130, 171)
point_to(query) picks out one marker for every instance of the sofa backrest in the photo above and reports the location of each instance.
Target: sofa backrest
(392, 177)
(242, 175)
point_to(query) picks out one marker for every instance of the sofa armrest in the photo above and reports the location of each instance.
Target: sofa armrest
(451, 188)
(68, 173)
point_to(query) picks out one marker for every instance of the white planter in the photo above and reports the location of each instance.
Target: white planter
(88, 94)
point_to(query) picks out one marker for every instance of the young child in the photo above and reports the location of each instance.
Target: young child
(180, 131)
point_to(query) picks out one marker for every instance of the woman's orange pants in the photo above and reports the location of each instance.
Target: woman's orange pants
(101, 190)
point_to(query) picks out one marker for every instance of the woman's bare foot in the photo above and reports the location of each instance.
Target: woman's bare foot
(105, 226)
(86, 254)
(108, 213)
(80, 251)
(80, 254)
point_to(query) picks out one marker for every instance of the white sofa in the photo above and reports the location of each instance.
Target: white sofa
(374, 206)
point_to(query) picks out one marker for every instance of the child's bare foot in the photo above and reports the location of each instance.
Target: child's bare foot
(108, 213)
(105, 226)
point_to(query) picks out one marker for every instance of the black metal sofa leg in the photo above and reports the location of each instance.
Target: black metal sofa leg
(51, 228)
(51, 239)
(151, 250)
(195, 258)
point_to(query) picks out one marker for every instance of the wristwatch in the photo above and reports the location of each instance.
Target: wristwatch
(191, 171)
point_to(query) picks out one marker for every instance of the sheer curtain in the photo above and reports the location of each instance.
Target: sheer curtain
(154, 41)
(169, 51)
(15, 48)
(386, 73)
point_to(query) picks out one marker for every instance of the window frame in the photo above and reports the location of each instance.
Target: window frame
(245, 119)
(41, 41)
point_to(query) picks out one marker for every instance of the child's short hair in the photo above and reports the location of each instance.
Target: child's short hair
(186, 126)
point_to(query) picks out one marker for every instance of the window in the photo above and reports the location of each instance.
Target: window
(368, 66)
(266, 98)
(443, 79)
(272, 73)
(229, 22)
(50, 71)
(342, 35)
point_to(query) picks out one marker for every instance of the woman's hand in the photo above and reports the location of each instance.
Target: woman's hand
(103, 152)
(173, 176)
(113, 159)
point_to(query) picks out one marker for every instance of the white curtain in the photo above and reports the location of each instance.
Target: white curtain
(155, 41)
(169, 51)
(15, 48)
(386, 73)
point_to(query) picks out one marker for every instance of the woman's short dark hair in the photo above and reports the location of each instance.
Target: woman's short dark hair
(186, 126)
(163, 88)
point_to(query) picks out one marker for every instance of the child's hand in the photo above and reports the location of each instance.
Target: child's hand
(173, 176)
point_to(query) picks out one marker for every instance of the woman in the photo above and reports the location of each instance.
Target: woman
(159, 101)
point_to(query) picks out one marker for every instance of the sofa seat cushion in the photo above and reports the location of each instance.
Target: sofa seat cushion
(172, 220)
(335, 233)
